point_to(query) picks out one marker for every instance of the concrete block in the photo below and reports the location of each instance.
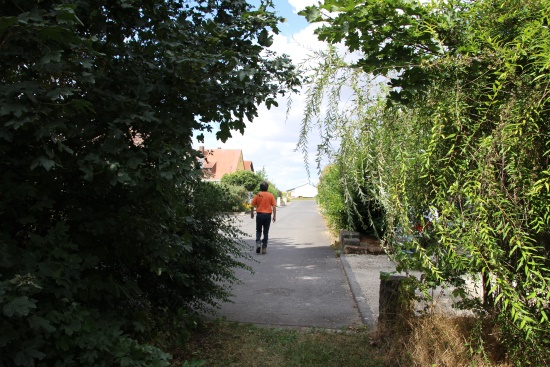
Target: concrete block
(348, 234)
(351, 242)
(350, 237)
(356, 250)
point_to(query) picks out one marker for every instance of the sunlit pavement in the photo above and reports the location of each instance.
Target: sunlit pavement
(299, 282)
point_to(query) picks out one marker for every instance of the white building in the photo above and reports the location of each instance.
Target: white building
(304, 191)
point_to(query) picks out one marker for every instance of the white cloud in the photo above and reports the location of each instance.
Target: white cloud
(301, 4)
(299, 45)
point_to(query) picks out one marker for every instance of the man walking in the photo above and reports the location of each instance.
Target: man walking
(265, 205)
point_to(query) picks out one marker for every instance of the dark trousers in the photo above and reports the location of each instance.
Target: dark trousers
(263, 220)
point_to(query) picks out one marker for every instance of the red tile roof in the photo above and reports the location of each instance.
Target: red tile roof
(248, 166)
(218, 162)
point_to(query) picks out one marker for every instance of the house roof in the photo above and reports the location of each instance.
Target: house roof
(248, 166)
(218, 162)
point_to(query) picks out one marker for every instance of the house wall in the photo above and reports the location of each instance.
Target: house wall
(306, 191)
(240, 165)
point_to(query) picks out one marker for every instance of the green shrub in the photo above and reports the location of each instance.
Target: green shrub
(331, 197)
(247, 179)
(348, 205)
(238, 197)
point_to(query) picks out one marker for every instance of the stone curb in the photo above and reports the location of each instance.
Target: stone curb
(365, 312)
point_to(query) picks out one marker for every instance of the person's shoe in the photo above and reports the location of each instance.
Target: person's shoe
(264, 250)
(258, 243)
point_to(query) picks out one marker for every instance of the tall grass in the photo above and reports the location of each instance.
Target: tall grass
(443, 341)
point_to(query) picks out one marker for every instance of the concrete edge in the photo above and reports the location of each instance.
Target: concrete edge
(365, 312)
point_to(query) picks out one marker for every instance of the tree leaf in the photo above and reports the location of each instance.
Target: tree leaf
(20, 306)
(43, 161)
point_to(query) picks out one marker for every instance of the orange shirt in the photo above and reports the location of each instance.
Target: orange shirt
(264, 201)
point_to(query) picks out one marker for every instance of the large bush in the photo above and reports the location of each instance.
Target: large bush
(349, 202)
(238, 197)
(331, 197)
(106, 231)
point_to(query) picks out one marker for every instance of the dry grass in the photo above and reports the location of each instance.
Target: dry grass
(443, 341)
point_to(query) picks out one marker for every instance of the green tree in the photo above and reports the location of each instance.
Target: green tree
(456, 145)
(250, 181)
(239, 185)
(106, 231)
(247, 179)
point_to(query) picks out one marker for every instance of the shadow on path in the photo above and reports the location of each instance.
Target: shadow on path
(293, 285)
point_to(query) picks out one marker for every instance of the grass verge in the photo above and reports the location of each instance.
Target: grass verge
(232, 344)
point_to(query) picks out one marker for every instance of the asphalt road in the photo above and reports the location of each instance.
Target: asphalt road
(299, 282)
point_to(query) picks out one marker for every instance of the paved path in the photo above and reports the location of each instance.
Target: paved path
(363, 273)
(299, 282)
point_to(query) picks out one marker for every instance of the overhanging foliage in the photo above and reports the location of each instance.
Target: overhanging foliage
(458, 147)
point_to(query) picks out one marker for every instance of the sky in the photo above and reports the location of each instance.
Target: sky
(270, 140)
